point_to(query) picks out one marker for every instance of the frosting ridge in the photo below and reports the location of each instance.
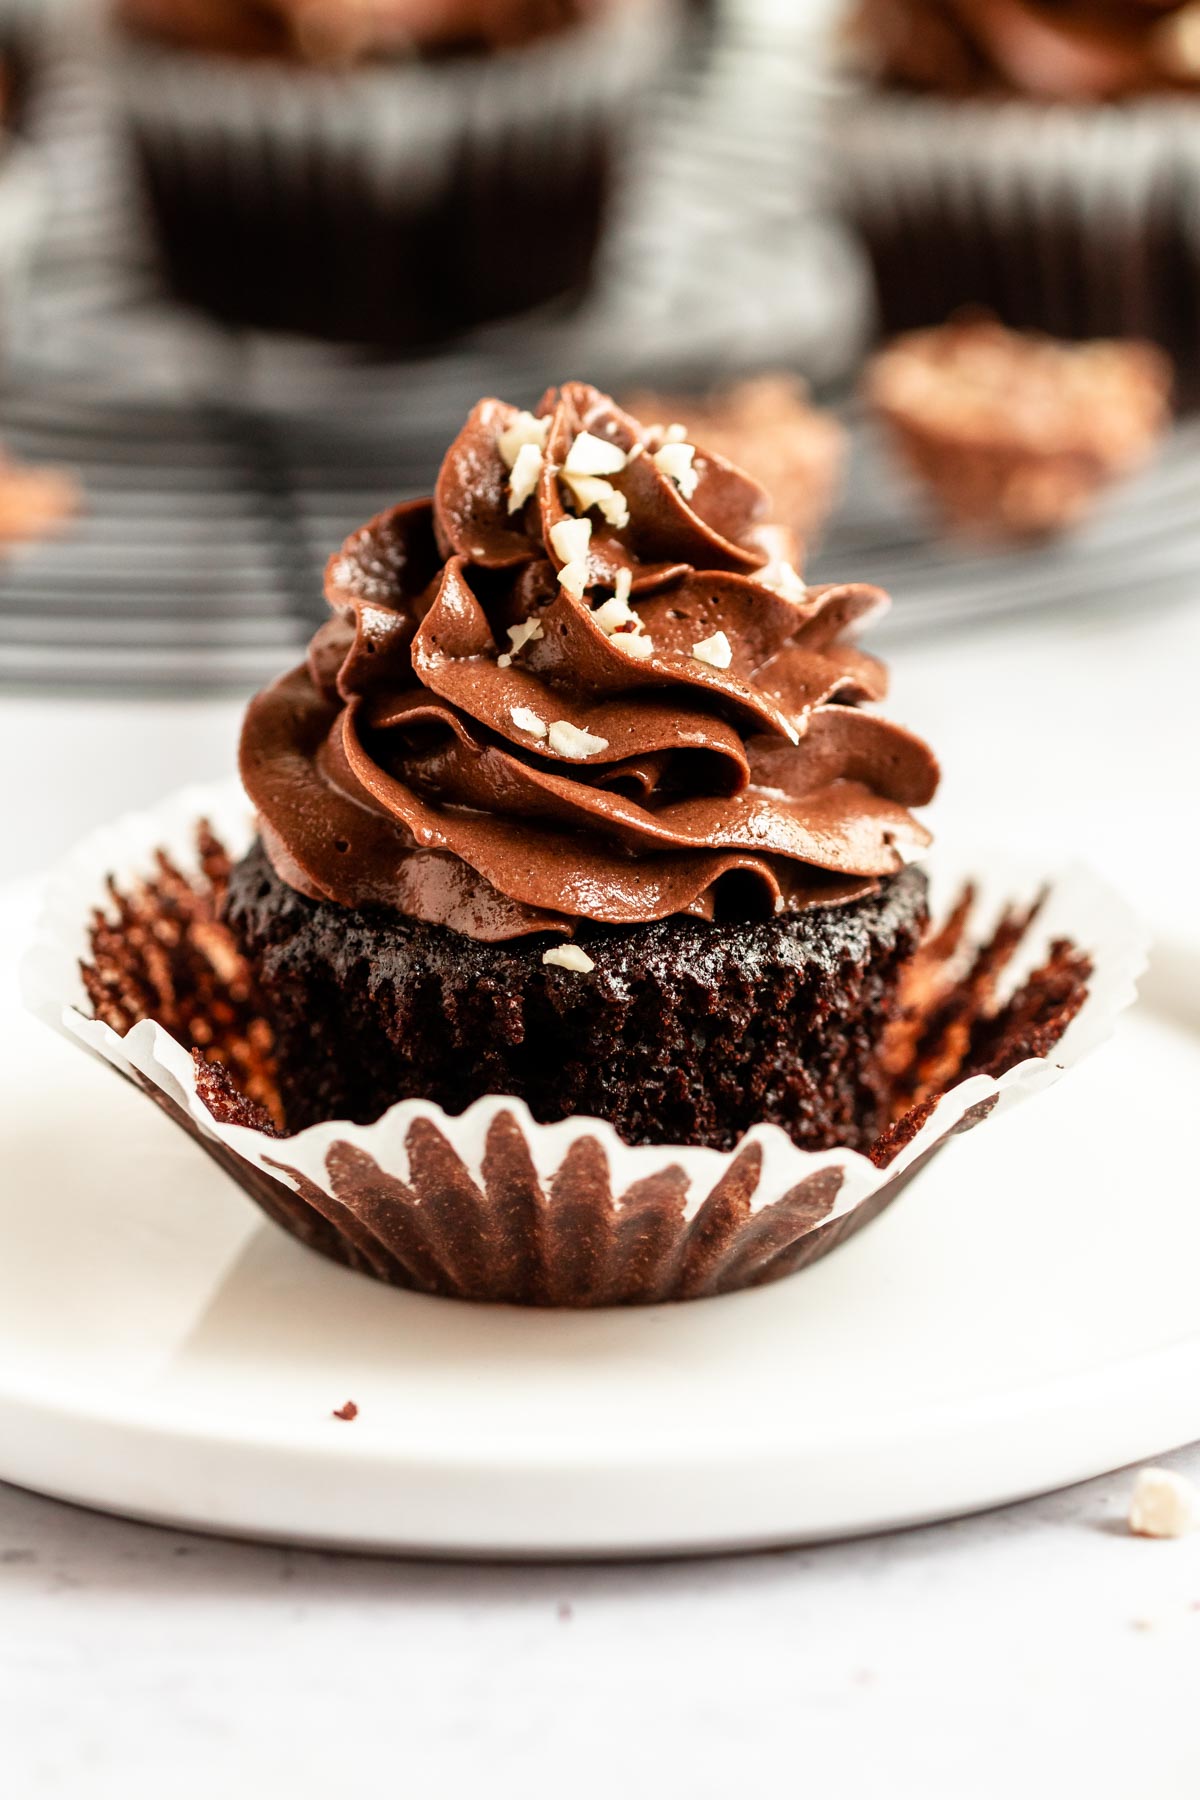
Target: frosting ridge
(582, 682)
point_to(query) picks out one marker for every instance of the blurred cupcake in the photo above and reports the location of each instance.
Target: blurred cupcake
(23, 192)
(385, 172)
(1031, 157)
(1015, 435)
(575, 955)
(35, 501)
(768, 426)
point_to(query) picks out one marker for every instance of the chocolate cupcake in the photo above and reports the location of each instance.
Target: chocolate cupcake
(574, 955)
(1016, 435)
(23, 186)
(1030, 157)
(538, 816)
(385, 174)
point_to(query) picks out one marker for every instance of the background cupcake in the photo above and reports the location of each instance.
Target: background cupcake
(1034, 157)
(22, 185)
(386, 173)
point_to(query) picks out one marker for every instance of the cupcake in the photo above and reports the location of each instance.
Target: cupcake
(1015, 435)
(22, 182)
(768, 426)
(1031, 157)
(382, 172)
(576, 953)
(35, 501)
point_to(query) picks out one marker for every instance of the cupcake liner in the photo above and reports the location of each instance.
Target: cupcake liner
(1061, 218)
(492, 1205)
(24, 191)
(394, 203)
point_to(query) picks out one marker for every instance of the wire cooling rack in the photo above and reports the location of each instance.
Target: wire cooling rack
(219, 472)
(198, 559)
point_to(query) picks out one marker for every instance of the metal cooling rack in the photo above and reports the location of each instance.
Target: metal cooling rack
(197, 564)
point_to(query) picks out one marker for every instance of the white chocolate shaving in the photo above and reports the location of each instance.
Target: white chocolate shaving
(525, 719)
(525, 429)
(568, 740)
(715, 650)
(591, 455)
(569, 956)
(675, 460)
(527, 472)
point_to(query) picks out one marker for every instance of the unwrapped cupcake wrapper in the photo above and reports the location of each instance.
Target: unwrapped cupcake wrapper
(391, 199)
(1067, 219)
(492, 1205)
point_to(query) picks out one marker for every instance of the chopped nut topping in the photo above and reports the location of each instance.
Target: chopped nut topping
(527, 632)
(527, 471)
(623, 585)
(675, 460)
(593, 490)
(569, 956)
(635, 644)
(616, 615)
(1164, 1505)
(639, 449)
(573, 579)
(675, 434)
(568, 740)
(591, 455)
(716, 650)
(570, 538)
(525, 429)
(525, 719)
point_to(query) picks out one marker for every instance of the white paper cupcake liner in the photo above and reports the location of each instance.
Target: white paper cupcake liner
(1068, 219)
(391, 202)
(492, 1205)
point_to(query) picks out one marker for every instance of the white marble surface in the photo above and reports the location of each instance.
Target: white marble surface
(1039, 1650)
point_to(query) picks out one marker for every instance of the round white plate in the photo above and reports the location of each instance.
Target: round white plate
(1027, 1315)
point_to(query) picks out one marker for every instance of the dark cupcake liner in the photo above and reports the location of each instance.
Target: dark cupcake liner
(492, 1205)
(24, 187)
(1064, 219)
(392, 205)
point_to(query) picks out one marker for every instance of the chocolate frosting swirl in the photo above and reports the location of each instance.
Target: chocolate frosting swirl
(522, 715)
(1047, 49)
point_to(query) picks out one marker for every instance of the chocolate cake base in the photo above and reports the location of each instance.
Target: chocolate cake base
(684, 1032)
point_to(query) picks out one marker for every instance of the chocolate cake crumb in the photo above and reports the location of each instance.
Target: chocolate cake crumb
(349, 1411)
(684, 1030)
(164, 952)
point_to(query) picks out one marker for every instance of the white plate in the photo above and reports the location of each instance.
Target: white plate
(165, 1353)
